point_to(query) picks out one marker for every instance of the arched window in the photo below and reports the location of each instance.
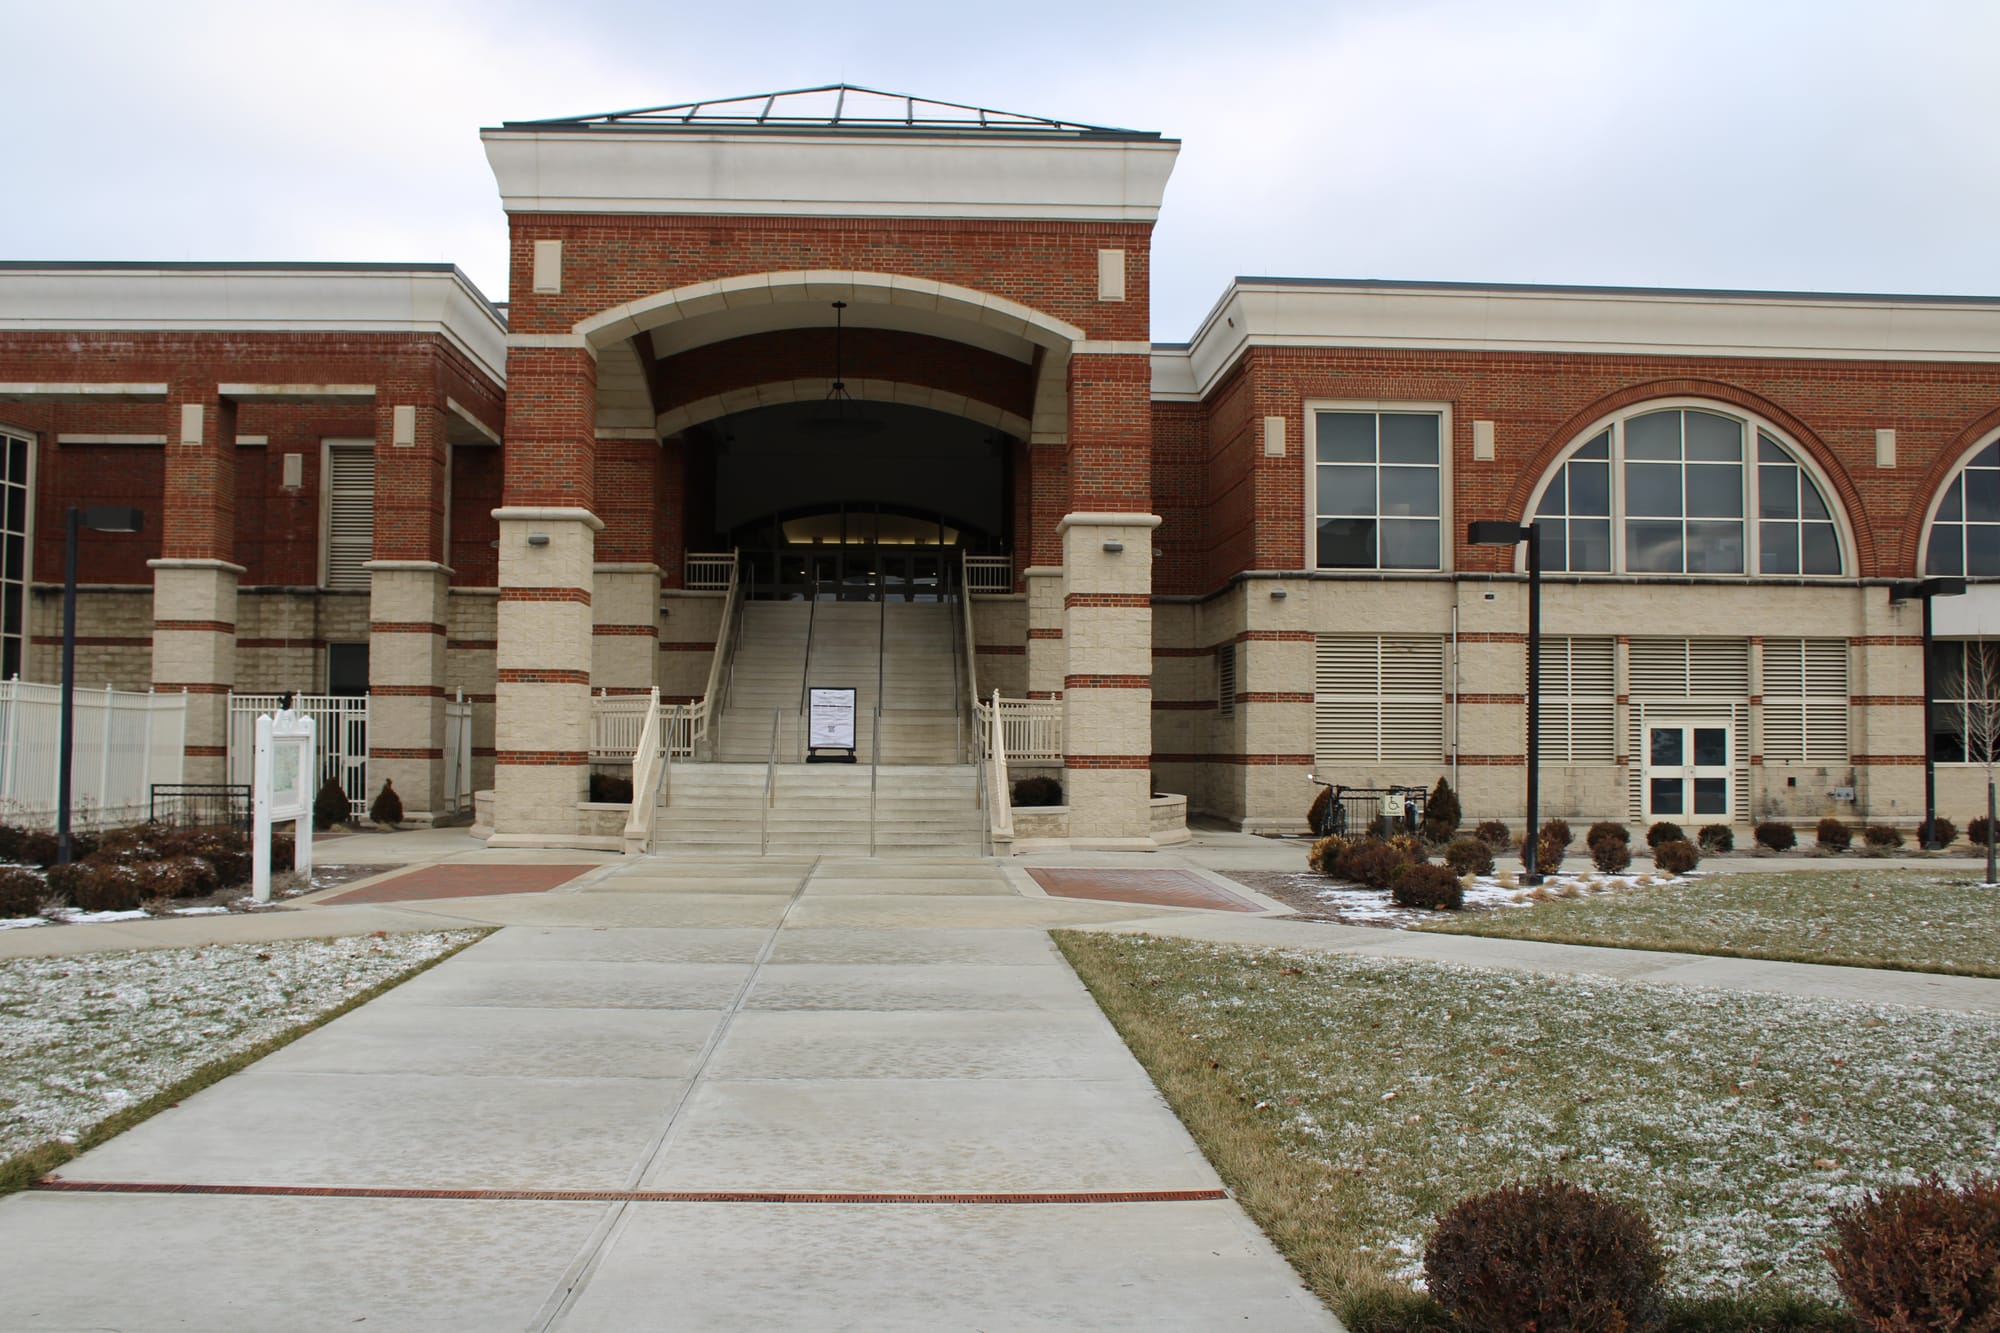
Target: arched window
(1685, 490)
(1965, 533)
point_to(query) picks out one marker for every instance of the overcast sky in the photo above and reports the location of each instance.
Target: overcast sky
(1826, 145)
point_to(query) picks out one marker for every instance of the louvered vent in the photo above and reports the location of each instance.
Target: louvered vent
(1690, 668)
(1579, 699)
(1378, 697)
(1805, 701)
(1225, 680)
(350, 521)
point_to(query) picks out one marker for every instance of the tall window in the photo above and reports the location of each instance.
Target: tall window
(1376, 490)
(1674, 492)
(350, 514)
(1965, 536)
(15, 459)
(1965, 715)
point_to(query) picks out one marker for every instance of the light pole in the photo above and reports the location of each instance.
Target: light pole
(1495, 533)
(1922, 590)
(98, 519)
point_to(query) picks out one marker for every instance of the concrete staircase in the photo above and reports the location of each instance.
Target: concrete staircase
(821, 810)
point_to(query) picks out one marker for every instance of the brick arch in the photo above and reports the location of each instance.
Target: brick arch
(768, 393)
(1558, 441)
(1930, 489)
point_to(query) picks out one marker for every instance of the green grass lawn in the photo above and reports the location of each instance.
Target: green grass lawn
(1915, 920)
(1349, 1101)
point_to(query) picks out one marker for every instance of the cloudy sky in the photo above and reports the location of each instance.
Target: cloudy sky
(1817, 145)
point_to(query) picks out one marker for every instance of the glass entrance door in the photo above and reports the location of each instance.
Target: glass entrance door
(1687, 769)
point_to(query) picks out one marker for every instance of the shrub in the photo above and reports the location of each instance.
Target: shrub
(1326, 854)
(609, 788)
(1980, 830)
(1548, 1256)
(1038, 791)
(1776, 836)
(20, 891)
(1374, 863)
(1558, 830)
(1922, 1256)
(98, 886)
(1717, 838)
(1494, 834)
(1664, 831)
(1883, 835)
(38, 848)
(1833, 834)
(1610, 855)
(1315, 813)
(1432, 888)
(1469, 856)
(1412, 848)
(387, 808)
(1441, 813)
(1943, 832)
(1605, 828)
(330, 805)
(1676, 857)
(1550, 846)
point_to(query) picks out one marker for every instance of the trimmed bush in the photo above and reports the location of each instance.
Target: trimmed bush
(1494, 834)
(1605, 828)
(1038, 791)
(1979, 830)
(1883, 835)
(1374, 863)
(1943, 832)
(1550, 847)
(1676, 857)
(1469, 856)
(1776, 836)
(1548, 1256)
(1412, 848)
(1557, 830)
(1920, 1257)
(1716, 838)
(1326, 854)
(1432, 888)
(1834, 834)
(1610, 855)
(1441, 813)
(38, 848)
(1665, 831)
(99, 886)
(387, 808)
(1314, 812)
(20, 891)
(330, 805)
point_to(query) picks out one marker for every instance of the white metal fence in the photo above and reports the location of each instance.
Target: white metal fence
(989, 573)
(341, 724)
(1033, 729)
(458, 753)
(123, 743)
(708, 571)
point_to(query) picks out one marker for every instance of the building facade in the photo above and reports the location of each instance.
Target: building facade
(852, 339)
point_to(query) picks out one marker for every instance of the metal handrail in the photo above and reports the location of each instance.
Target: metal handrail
(770, 789)
(649, 763)
(721, 682)
(1003, 794)
(874, 772)
(806, 671)
(969, 656)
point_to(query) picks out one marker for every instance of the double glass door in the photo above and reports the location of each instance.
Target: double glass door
(1687, 769)
(858, 573)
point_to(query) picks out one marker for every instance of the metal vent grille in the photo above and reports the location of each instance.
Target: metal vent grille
(1805, 701)
(1378, 698)
(350, 515)
(1579, 701)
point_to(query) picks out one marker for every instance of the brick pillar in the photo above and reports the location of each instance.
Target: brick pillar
(625, 605)
(1038, 553)
(408, 582)
(548, 540)
(194, 580)
(1107, 547)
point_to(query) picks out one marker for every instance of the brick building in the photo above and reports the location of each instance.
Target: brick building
(854, 339)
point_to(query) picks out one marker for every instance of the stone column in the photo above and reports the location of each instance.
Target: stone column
(1046, 660)
(1274, 702)
(408, 584)
(1108, 686)
(194, 580)
(625, 628)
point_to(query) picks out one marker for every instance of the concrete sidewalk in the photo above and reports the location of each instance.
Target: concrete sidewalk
(830, 1038)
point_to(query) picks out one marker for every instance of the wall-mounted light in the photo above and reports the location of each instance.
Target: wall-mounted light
(1279, 594)
(538, 539)
(1113, 547)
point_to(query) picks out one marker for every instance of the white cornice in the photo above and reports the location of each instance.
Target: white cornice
(949, 176)
(217, 298)
(1576, 321)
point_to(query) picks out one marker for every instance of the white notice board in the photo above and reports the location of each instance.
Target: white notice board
(830, 719)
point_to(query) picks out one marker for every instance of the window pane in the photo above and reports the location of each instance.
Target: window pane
(1777, 548)
(1410, 545)
(1982, 548)
(1711, 747)
(1777, 491)
(1987, 457)
(1821, 546)
(1555, 554)
(1597, 448)
(10, 614)
(1653, 489)
(1667, 747)
(1652, 547)
(1667, 795)
(1346, 437)
(1715, 548)
(1947, 550)
(1411, 491)
(1409, 437)
(1947, 733)
(1982, 496)
(1811, 505)
(1711, 796)
(1347, 543)
(1655, 435)
(1346, 490)
(1590, 545)
(1768, 450)
(1714, 492)
(1952, 507)
(1590, 488)
(17, 461)
(1552, 498)
(17, 508)
(1713, 439)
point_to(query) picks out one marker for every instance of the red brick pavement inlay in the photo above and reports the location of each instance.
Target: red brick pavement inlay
(1156, 888)
(460, 882)
(57, 1183)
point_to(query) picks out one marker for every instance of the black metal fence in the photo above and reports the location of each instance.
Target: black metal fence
(200, 804)
(1356, 812)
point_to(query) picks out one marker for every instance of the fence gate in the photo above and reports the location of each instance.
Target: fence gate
(341, 722)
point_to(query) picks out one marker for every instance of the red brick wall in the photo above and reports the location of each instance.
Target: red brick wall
(882, 354)
(97, 474)
(551, 427)
(1179, 470)
(475, 494)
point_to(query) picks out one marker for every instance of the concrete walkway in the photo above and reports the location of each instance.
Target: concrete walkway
(533, 1135)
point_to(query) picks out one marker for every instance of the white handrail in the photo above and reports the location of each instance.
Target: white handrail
(648, 764)
(1001, 794)
(971, 658)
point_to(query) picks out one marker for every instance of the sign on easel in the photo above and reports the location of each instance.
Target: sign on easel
(830, 725)
(280, 790)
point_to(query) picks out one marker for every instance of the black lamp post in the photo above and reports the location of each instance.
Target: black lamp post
(1494, 533)
(1922, 590)
(97, 519)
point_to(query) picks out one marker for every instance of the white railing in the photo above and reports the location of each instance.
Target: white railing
(708, 571)
(1001, 791)
(706, 708)
(986, 574)
(969, 659)
(458, 753)
(649, 766)
(340, 724)
(1033, 728)
(616, 720)
(123, 742)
